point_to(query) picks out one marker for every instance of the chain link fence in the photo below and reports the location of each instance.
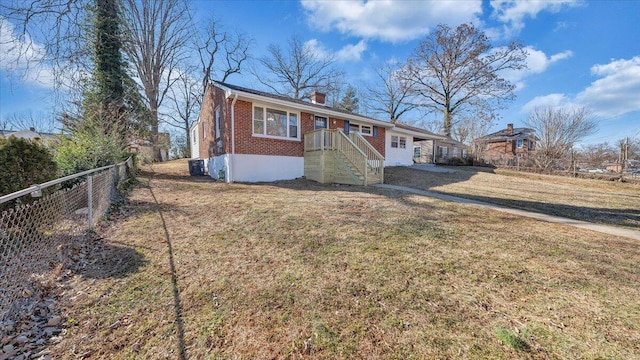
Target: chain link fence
(38, 226)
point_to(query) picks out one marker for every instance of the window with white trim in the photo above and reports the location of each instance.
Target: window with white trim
(519, 143)
(417, 152)
(443, 151)
(275, 123)
(394, 141)
(362, 129)
(403, 142)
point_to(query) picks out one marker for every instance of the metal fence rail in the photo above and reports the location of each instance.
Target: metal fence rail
(40, 223)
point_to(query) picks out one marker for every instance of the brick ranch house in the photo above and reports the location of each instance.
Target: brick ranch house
(504, 146)
(247, 135)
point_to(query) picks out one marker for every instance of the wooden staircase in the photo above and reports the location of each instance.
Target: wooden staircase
(331, 156)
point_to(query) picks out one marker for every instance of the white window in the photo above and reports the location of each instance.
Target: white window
(443, 151)
(519, 143)
(217, 122)
(417, 152)
(362, 129)
(394, 141)
(464, 153)
(194, 136)
(403, 142)
(275, 123)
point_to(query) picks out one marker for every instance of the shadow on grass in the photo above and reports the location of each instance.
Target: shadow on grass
(177, 305)
(608, 216)
(176, 177)
(423, 180)
(113, 261)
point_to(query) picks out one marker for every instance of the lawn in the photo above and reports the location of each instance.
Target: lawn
(605, 202)
(295, 269)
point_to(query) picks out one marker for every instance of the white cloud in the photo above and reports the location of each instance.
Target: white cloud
(537, 63)
(614, 94)
(512, 13)
(389, 20)
(551, 100)
(21, 55)
(617, 90)
(350, 52)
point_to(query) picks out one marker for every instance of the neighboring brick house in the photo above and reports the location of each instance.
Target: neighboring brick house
(504, 146)
(250, 136)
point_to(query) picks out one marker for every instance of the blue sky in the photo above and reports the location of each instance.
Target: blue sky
(580, 52)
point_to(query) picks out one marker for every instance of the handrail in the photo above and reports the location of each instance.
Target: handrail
(39, 187)
(353, 154)
(375, 159)
(356, 150)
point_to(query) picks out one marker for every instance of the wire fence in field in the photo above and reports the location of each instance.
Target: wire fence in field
(38, 225)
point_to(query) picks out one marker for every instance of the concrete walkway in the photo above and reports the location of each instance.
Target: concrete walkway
(431, 168)
(606, 229)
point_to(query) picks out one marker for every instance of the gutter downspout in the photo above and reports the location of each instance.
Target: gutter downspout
(233, 136)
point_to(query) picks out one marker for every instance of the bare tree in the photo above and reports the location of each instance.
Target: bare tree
(558, 130)
(157, 35)
(184, 102)
(452, 68)
(41, 122)
(298, 71)
(219, 46)
(595, 155)
(61, 50)
(474, 123)
(390, 95)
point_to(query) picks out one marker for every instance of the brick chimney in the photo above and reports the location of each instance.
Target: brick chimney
(509, 129)
(318, 98)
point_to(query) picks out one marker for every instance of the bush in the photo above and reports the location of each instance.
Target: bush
(24, 163)
(87, 149)
(456, 161)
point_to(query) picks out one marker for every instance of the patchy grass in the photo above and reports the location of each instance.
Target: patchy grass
(302, 270)
(583, 199)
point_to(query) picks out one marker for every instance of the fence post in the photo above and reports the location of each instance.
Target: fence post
(90, 201)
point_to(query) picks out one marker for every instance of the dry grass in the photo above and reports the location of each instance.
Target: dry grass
(583, 199)
(300, 270)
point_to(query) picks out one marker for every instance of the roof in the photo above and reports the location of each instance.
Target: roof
(502, 135)
(29, 135)
(416, 131)
(301, 104)
(451, 141)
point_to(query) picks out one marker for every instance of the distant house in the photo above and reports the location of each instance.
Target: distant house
(252, 136)
(504, 146)
(146, 151)
(439, 150)
(46, 139)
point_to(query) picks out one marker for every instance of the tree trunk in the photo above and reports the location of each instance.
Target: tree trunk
(447, 122)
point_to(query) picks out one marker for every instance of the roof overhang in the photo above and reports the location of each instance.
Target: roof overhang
(242, 95)
(417, 135)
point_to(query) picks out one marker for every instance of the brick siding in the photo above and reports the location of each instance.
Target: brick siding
(245, 142)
